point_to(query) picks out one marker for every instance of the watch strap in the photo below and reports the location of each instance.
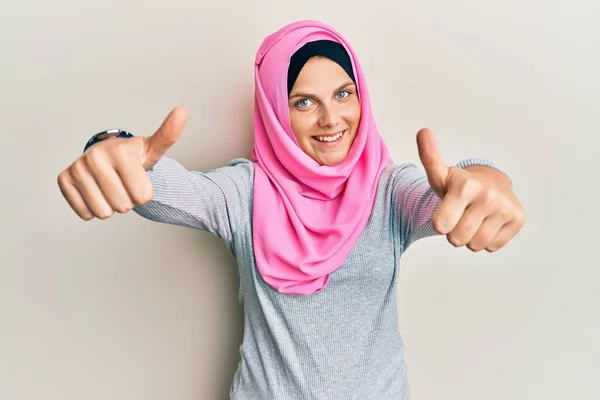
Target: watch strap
(106, 134)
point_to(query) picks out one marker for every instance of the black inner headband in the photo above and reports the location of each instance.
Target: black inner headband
(326, 48)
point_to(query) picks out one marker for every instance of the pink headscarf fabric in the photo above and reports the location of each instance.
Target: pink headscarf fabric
(306, 216)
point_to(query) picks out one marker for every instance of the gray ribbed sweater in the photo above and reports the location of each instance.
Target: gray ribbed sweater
(341, 343)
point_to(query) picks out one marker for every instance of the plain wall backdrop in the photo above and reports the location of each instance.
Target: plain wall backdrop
(130, 309)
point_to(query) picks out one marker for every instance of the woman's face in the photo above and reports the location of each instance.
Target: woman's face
(324, 111)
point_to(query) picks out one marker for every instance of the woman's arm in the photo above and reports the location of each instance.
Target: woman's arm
(414, 202)
(118, 172)
(472, 203)
(215, 201)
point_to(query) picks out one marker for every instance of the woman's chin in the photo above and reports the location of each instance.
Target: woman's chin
(331, 159)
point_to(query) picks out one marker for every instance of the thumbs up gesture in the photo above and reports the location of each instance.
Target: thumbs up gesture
(478, 208)
(111, 175)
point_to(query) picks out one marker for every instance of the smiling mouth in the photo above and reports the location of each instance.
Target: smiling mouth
(330, 138)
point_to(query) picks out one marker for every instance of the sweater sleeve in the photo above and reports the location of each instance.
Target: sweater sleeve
(212, 201)
(414, 202)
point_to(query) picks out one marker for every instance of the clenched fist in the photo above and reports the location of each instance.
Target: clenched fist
(111, 175)
(478, 208)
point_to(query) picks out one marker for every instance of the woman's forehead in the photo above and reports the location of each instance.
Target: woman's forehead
(323, 72)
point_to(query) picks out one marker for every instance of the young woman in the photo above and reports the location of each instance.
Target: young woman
(317, 220)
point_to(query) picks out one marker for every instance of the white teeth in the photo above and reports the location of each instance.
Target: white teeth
(329, 138)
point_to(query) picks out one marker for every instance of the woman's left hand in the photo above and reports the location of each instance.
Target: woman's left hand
(479, 208)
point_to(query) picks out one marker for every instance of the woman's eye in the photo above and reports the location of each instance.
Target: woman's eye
(343, 94)
(303, 103)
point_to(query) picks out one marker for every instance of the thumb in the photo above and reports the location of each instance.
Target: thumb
(168, 133)
(436, 169)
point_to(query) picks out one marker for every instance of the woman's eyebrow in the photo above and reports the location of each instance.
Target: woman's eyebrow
(296, 94)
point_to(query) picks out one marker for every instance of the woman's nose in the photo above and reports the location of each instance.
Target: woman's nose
(330, 118)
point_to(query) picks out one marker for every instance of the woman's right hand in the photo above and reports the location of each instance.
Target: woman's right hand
(111, 175)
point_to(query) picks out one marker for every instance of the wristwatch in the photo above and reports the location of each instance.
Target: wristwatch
(107, 134)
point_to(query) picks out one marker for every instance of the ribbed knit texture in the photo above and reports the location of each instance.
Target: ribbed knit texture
(342, 343)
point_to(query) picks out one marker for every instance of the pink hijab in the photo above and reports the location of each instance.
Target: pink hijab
(306, 216)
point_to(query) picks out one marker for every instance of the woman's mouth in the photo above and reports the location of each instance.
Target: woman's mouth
(330, 138)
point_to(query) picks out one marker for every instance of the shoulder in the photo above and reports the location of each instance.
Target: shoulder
(234, 181)
(239, 171)
(401, 180)
(394, 175)
(241, 163)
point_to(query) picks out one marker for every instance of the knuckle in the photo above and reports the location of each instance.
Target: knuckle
(454, 241)
(474, 247)
(437, 225)
(144, 199)
(77, 170)
(506, 209)
(520, 217)
(105, 214)
(61, 179)
(440, 223)
(469, 186)
(124, 207)
(490, 196)
(146, 194)
(491, 249)
(86, 217)
(94, 158)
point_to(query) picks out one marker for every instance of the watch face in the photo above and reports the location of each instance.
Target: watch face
(107, 134)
